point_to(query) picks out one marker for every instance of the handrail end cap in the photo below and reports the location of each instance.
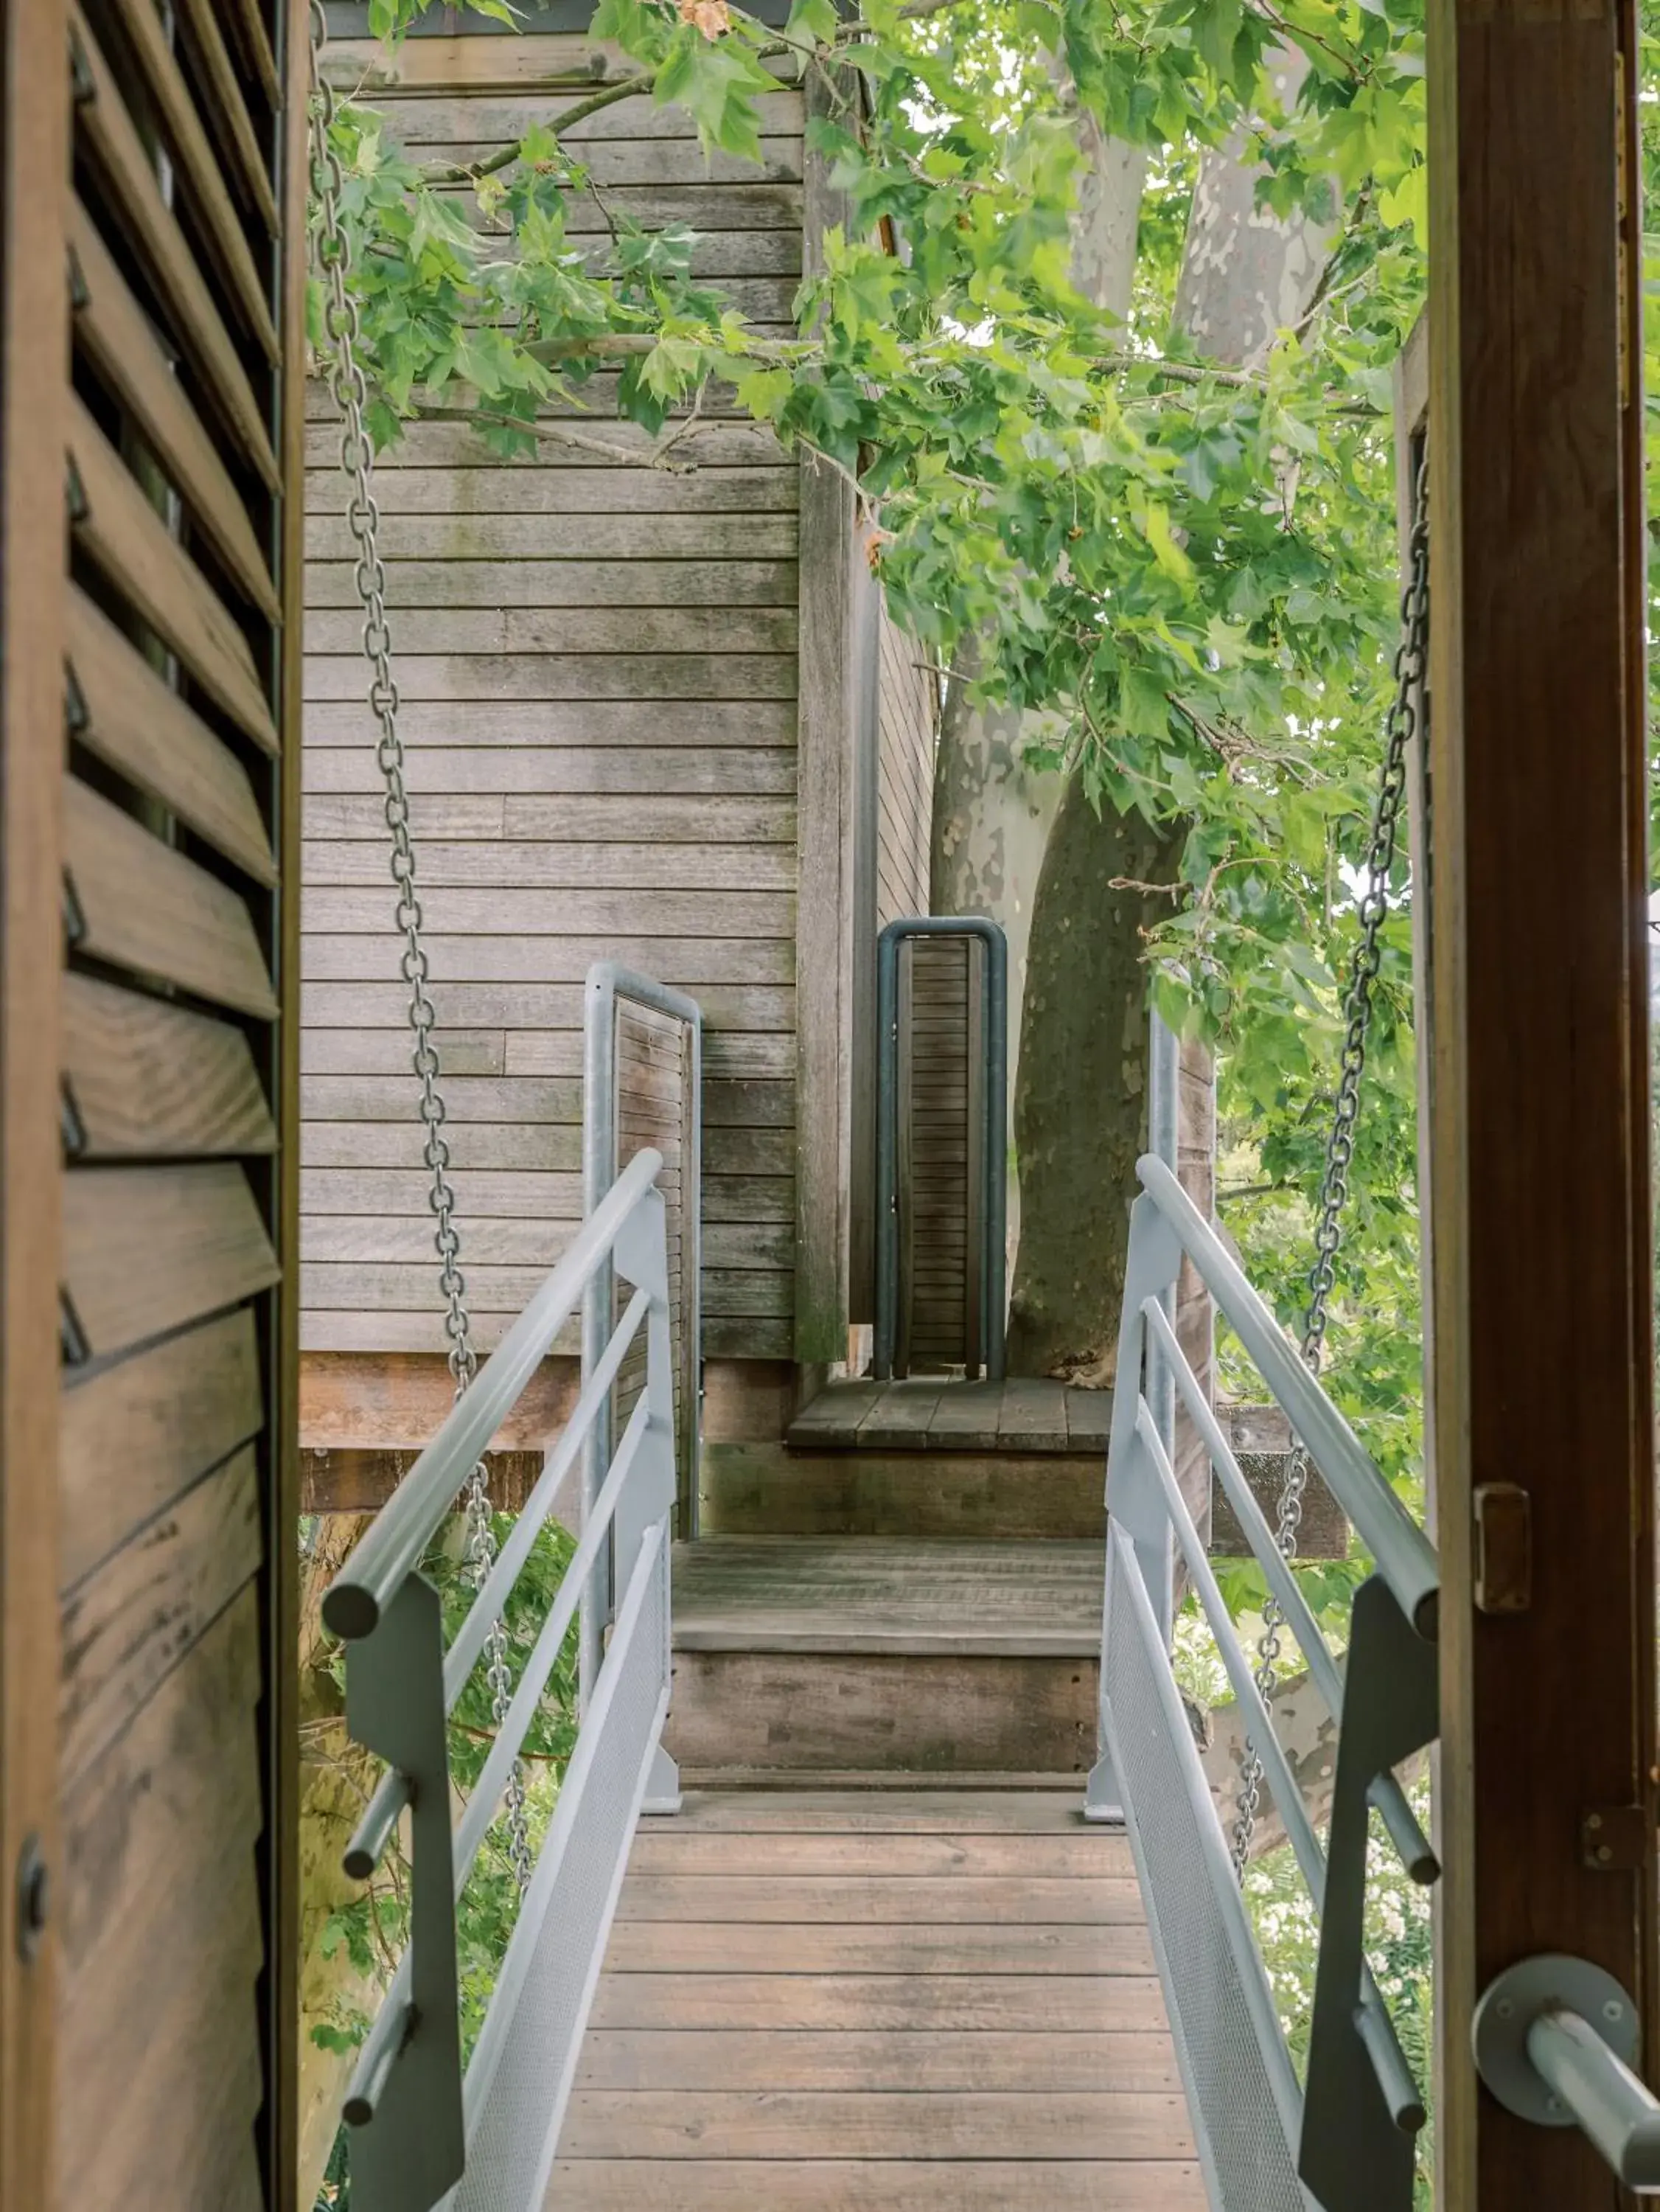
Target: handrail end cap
(350, 1612)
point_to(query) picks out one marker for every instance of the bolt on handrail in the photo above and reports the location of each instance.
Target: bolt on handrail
(1348, 2134)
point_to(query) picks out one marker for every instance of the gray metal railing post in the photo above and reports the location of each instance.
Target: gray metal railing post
(992, 1260)
(607, 981)
(1163, 1125)
(1134, 1496)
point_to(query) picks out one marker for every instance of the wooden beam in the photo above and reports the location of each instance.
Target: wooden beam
(34, 382)
(824, 928)
(1540, 1206)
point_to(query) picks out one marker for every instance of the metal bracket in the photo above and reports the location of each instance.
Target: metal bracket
(1355, 2152)
(409, 2136)
(1507, 2009)
(1615, 1838)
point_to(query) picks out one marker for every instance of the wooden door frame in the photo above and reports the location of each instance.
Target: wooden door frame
(1541, 1204)
(34, 148)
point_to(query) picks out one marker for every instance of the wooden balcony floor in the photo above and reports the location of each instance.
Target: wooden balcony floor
(838, 1999)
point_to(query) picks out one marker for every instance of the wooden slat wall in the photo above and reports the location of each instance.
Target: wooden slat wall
(598, 666)
(938, 1089)
(909, 713)
(653, 1069)
(173, 1506)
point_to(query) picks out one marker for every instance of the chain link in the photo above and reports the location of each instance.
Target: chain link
(1411, 665)
(349, 391)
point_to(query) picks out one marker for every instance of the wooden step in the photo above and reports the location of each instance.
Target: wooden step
(837, 1654)
(937, 1414)
(993, 1496)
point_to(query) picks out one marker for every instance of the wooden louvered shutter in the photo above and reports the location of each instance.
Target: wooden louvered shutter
(165, 556)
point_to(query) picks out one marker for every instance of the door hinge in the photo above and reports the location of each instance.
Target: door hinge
(1615, 1838)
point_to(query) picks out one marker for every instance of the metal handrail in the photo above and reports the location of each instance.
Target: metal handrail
(1405, 1557)
(416, 2116)
(1348, 2136)
(392, 1548)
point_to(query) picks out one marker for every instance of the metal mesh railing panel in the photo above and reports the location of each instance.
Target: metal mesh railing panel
(548, 1980)
(1238, 2085)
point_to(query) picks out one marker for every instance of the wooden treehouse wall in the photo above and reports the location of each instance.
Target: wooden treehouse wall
(149, 559)
(606, 718)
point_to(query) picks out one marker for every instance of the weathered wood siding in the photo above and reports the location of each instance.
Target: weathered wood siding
(909, 721)
(179, 810)
(597, 662)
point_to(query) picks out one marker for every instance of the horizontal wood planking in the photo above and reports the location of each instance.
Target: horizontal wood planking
(352, 1328)
(609, 500)
(134, 1435)
(512, 865)
(924, 2125)
(453, 580)
(907, 1847)
(729, 671)
(603, 707)
(690, 963)
(489, 119)
(910, 1900)
(616, 545)
(143, 1079)
(463, 911)
(844, 2184)
(130, 1621)
(639, 633)
(959, 2010)
(717, 445)
(555, 775)
(761, 1489)
(880, 1707)
(553, 725)
(772, 2002)
(728, 2059)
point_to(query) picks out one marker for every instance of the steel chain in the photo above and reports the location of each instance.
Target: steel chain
(1411, 663)
(349, 392)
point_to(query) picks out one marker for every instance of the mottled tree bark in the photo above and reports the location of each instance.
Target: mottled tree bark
(1079, 1110)
(991, 811)
(1079, 1124)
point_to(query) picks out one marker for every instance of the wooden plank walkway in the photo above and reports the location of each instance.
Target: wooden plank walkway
(838, 1999)
(934, 1413)
(888, 1594)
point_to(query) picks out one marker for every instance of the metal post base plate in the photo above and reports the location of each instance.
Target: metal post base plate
(1511, 2004)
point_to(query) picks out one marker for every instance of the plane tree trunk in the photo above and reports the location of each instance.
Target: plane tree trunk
(1079, 1087)
(992, 810)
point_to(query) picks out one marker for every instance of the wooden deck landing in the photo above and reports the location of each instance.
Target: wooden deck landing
(939, 2000)
(933, 1413)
